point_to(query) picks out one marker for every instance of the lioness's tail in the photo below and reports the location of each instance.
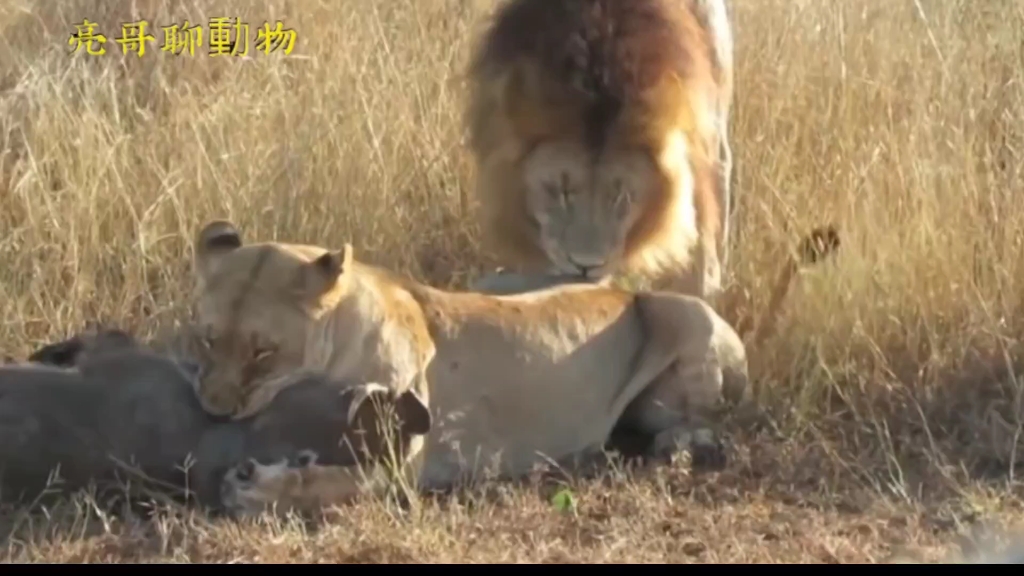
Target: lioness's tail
(819, 244)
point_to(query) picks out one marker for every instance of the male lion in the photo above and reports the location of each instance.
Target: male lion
(515, 378)
(599, 133)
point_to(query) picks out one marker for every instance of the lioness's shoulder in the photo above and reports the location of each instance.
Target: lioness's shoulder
(540, 304)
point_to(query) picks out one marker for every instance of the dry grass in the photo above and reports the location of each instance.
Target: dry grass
(891, 402)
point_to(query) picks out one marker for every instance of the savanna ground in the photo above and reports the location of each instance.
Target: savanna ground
(890, 402)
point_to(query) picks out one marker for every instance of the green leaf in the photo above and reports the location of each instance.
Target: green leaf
(563, 500)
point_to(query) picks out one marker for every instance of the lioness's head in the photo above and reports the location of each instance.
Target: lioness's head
(587, 206)
(383, 428)
(253, 307)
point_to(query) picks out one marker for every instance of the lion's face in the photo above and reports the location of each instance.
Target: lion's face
(585, 206)
(254, 306)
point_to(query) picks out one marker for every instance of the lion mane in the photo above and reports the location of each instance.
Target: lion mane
(608, 80)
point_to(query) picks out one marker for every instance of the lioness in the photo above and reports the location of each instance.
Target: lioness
(527, 378)
(300, 481)
(599, 133)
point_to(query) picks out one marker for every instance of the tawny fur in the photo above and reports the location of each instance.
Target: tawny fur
(644, 84)
(517, 380)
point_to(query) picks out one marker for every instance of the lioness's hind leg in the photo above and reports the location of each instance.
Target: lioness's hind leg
(704, 369)
(675, 411)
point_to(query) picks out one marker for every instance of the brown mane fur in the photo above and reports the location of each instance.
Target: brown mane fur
(609, 73)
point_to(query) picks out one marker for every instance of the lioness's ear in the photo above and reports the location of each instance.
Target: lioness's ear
(321, 274)
(369, 399)
(214, 240)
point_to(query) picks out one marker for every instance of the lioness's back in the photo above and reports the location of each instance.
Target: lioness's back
(548, 307)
